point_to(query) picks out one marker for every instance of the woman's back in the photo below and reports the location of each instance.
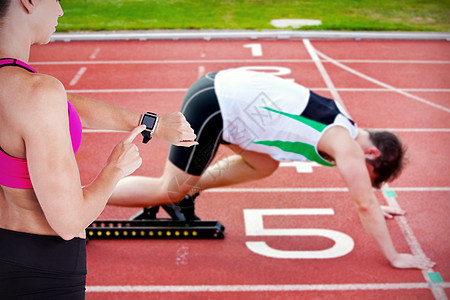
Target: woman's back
(19, 208)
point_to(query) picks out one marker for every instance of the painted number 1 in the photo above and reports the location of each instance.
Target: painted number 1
(253, 218)
(255, 48)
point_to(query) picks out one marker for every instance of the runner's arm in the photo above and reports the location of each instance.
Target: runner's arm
(351, 165)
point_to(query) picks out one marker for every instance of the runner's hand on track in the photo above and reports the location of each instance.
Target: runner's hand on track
(389, 211)
(174, 129)
(408, 261)
(125, 155)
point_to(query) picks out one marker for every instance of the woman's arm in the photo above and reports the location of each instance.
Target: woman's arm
(102, 115)
(68, 208)
(172, 128)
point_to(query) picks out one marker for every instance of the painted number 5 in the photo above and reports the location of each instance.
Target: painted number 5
(253, 219)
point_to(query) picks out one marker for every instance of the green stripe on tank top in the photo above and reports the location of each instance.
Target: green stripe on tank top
(311, 123)
(304, 149)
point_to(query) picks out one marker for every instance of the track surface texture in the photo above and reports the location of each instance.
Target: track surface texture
(400, 85)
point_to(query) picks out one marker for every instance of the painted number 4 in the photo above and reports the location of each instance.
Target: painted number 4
(253, 218)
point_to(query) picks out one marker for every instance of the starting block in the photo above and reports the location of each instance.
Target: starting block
(145, 225)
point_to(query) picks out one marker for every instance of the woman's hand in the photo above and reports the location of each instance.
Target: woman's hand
(125, 155)
(174, 129)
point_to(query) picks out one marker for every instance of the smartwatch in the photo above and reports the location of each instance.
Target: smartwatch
(150, 120)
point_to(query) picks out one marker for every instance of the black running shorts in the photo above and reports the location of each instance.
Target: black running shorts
(41, 267)
(202, 111)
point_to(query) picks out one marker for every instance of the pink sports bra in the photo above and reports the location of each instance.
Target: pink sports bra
(14, 171)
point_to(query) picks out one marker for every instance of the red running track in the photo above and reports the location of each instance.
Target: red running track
(398, 85)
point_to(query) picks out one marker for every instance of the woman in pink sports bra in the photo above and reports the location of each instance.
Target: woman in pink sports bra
(43, 207)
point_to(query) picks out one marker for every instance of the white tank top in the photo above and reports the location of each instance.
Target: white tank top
(278, 117)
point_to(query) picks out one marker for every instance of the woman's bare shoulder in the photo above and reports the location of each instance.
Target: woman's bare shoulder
(46, 88)
(23, 89)
(31, 99)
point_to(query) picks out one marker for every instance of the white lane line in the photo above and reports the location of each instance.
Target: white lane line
(87, 130)
(421, 189)
(415, 129)
(201, 71)
(150, 90)
(275, 190)
(312, 52)
(98, 91)
(314, 190)
(414, 245)
(259, 288)
(313, 88)
(94, 54)
(77, 76)
(213, 61)
(426, 130)
(377, 82)
(387, 90)
(300, 166)
(183, 61)
(393, 61)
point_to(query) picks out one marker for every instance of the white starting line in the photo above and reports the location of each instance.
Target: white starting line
(259, 288)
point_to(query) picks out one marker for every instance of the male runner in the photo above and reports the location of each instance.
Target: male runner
(265, 119)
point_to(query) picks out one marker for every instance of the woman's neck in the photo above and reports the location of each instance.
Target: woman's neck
(15, 41)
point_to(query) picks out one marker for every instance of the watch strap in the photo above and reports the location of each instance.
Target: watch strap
(147, 133)
(147, 136)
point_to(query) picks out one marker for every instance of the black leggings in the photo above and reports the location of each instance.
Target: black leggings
(202, 111)
(41, 267)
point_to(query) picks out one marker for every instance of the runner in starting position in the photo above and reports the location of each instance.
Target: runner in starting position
(265, 119)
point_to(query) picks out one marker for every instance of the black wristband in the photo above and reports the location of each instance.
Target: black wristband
(147, 136)
(150, 120)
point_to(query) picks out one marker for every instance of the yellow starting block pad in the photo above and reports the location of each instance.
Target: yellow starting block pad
(155, 229)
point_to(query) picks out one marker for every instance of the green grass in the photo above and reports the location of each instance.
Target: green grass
(402, 15)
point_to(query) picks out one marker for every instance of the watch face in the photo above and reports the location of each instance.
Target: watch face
(149, 121)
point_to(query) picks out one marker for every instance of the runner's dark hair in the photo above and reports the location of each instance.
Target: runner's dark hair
(4, 4)
(391, 161)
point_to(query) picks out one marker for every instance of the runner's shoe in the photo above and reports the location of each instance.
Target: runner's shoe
(181, 211)
(148, 213)
(187, 207)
